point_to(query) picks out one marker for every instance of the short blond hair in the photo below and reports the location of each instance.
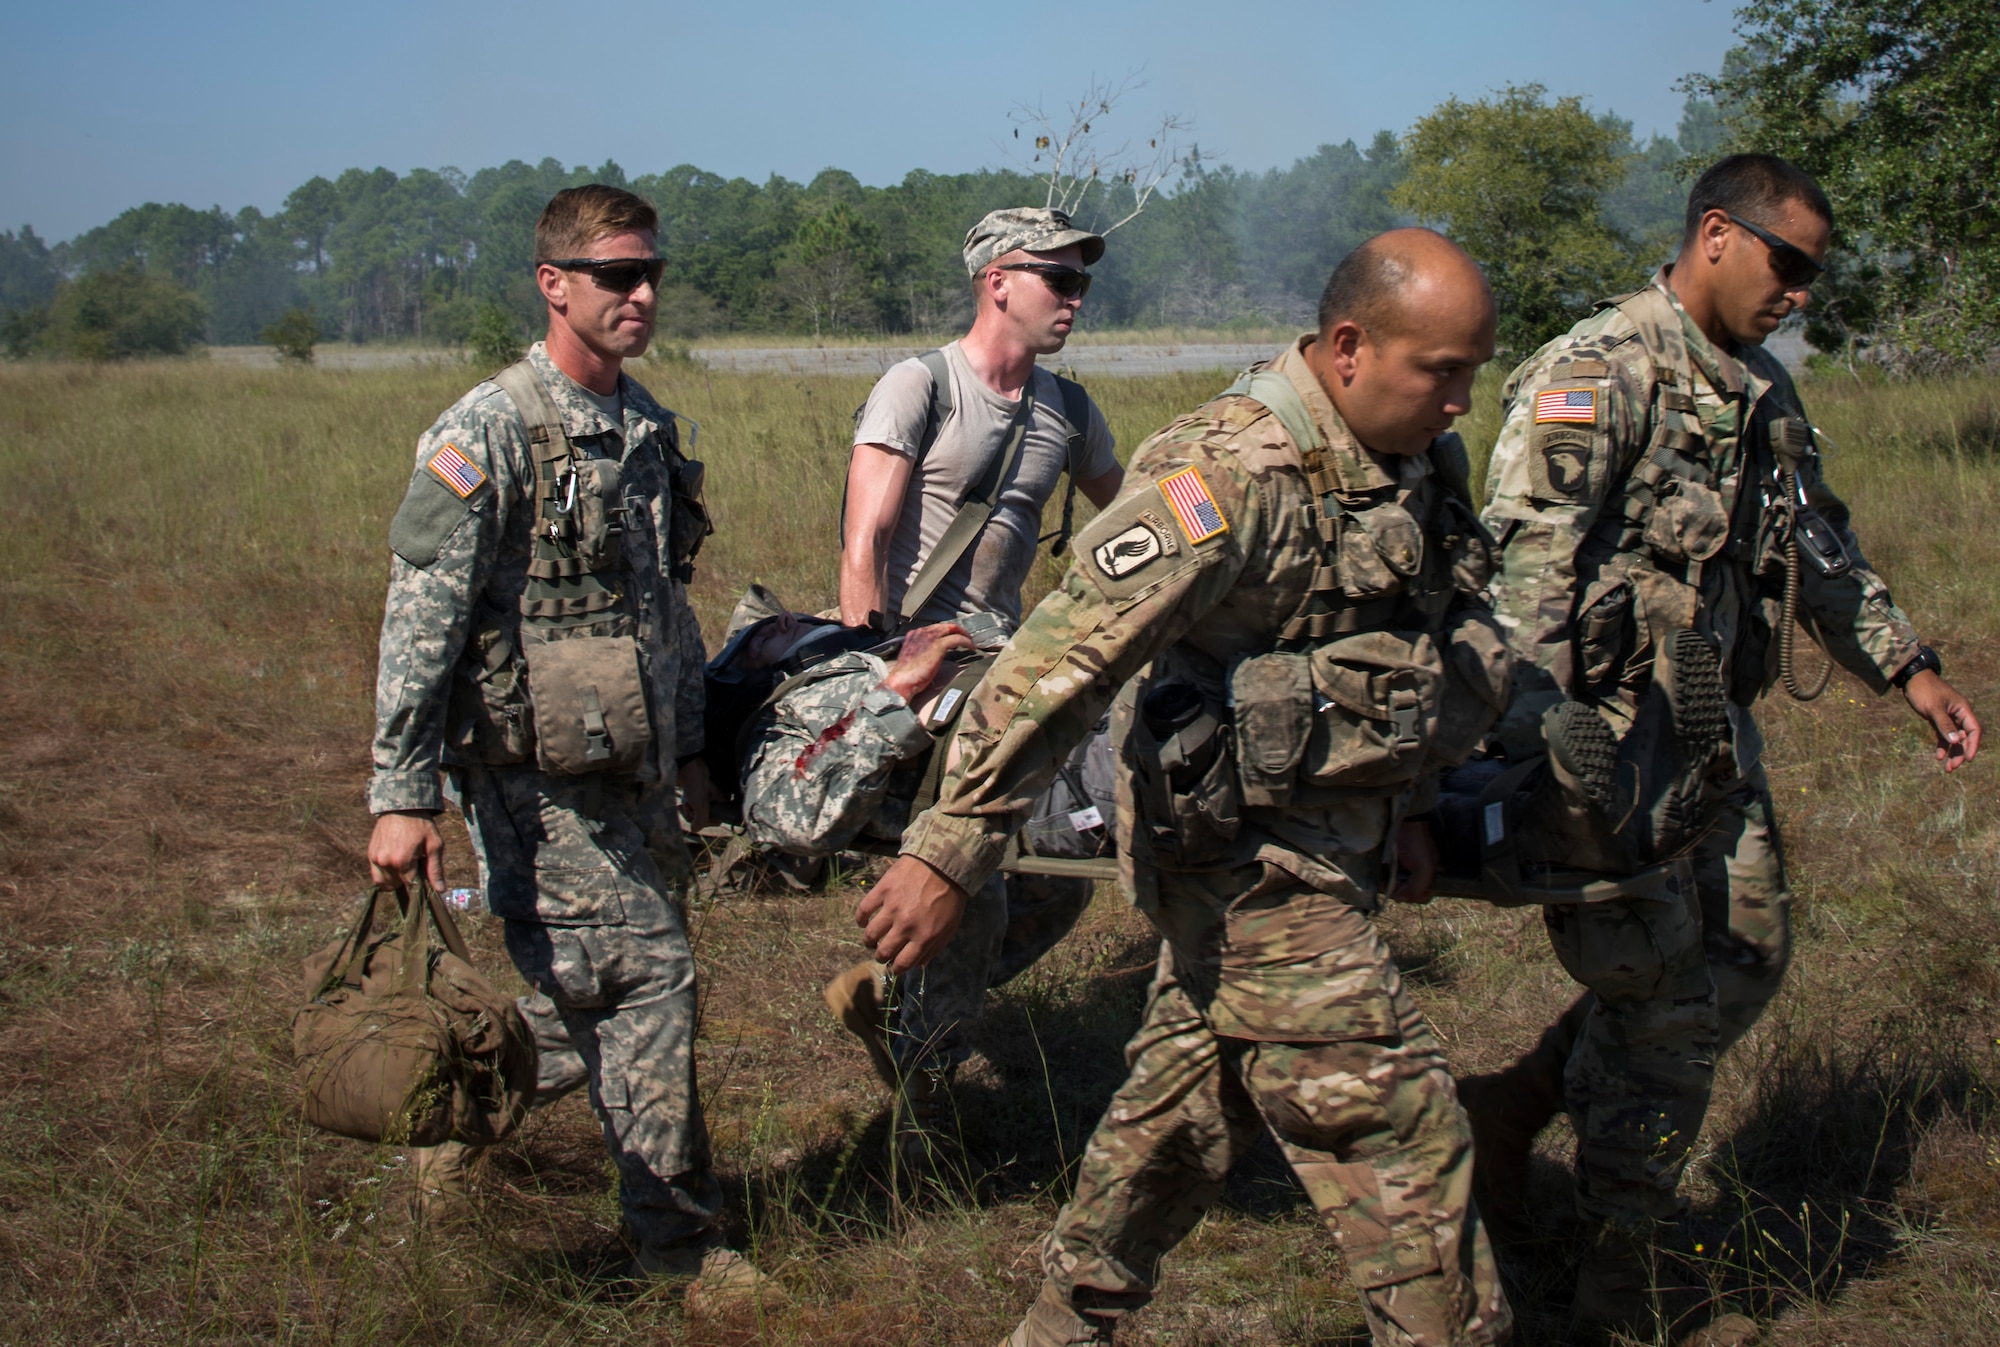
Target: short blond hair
(577, 217)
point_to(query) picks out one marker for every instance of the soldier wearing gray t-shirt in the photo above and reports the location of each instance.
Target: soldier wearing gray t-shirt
(988, 578)
(1027, 268)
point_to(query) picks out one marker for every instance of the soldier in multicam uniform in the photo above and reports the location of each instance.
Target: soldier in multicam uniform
(537, 644)
(932, 429)
(1653, 473)
(1293, 558)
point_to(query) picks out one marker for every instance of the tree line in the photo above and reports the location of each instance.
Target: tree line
(1888, 102)
(428, 255)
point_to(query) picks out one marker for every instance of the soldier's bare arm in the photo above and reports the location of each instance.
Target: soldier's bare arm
(877, 479)
(1102, 489)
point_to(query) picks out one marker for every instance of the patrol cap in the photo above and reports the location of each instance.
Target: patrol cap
(1035, 228)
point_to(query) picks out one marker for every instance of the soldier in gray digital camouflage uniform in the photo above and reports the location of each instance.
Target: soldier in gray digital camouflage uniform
(1653, 471)
(545, 543)
(1298, 559)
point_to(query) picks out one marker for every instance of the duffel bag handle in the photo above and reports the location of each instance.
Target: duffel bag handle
(417, 936)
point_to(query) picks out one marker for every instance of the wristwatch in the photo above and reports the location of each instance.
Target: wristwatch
(1927, 658)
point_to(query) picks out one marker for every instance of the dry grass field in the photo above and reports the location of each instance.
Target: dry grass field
(191, 563)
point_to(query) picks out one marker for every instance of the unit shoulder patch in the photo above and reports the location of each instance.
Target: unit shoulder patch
(1559, 461)
(1139, 544)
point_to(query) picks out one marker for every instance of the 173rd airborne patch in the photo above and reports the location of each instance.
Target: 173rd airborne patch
(1145, 539)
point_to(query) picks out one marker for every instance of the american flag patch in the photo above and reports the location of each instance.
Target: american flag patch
(1199, 515)
(456, 471)
(1566, 404)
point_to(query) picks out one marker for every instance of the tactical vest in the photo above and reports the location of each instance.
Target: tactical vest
(1643, 758)
(565, 686)
(1380, 673)
(1681, 512)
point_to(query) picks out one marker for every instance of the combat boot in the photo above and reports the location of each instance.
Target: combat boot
(1050, 1322)
(719, 1279)
(1507, 1110)
(924, 1128)
(857, 999)
(1615, 1291)
(443, 1175)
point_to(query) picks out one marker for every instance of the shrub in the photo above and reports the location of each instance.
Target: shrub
(495, 338)
(114, 315)
(294, 335)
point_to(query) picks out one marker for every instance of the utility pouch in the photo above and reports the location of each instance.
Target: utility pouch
(1381, 547)
(1605, 632)
(1186, 771)
(599, 509)
(1478, 684)
(490, 722)
(689, 523)
(1377, 701)
(1271, 697)
(1687, 524)
(589, 704)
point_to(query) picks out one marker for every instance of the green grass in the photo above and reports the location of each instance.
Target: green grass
(191, 564)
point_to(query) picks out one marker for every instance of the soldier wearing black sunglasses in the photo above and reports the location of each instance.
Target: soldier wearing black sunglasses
(954, 456)
(1666, 532)
(539, 650)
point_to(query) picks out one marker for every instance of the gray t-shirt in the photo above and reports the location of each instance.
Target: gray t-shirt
(990, 575)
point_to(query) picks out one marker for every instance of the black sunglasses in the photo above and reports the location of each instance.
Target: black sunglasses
(619, 274)
(1795, 267)
(1067, 282)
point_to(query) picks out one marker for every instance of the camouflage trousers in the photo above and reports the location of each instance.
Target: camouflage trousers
(1672, 985)
(1278, 1006)
(1010, 923)
(588, 875)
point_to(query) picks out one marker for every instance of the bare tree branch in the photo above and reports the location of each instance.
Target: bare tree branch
(1066, 155)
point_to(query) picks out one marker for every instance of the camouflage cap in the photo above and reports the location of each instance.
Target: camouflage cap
(1035, 228)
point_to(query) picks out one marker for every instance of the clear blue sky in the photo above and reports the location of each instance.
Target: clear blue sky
(113, 104)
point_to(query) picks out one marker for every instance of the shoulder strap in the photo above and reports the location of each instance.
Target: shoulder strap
(521, 383)
(1076, 415)
(939, 368)
(1325, 611)
(1279, 398)
(973, 511)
